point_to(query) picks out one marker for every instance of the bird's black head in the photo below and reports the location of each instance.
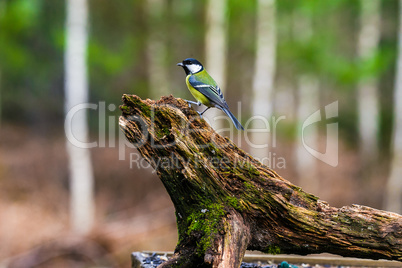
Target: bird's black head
(191, 66)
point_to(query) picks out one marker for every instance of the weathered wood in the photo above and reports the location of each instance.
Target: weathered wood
(227, 202)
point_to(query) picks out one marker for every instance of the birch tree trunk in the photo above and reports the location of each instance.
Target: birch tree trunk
(263, 80)
(76, 92)
(393, 196)
(215, 53)
(367, 96)
(156, 48)
(307, 103)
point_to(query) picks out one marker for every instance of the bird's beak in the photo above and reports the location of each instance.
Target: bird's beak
(180, 64)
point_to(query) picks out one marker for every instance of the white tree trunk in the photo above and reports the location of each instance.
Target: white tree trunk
(306, 164)
(76, 92)
(156, 48)
(367, 97)
(308, 102)
(215, 53)
(263, 80)
(393, 195)
(284, 99)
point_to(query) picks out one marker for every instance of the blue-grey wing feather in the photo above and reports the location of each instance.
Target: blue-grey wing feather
(214, 94)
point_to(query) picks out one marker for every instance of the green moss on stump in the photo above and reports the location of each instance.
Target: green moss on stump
(207, 223)
(274, 250)
(138, 103)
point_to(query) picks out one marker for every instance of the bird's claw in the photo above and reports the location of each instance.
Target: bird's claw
(200, 113)
(192, 102)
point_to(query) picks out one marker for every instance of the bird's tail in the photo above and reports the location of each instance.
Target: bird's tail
(233, 118)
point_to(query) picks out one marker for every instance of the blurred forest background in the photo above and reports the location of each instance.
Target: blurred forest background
(284, 58)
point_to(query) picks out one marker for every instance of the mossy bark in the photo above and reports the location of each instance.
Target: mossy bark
(227, 202)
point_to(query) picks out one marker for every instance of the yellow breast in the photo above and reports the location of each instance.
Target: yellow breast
(196, 94)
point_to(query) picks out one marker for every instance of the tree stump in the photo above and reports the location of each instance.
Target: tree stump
(227, 202)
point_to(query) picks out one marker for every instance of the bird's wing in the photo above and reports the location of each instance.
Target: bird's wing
(210, 90)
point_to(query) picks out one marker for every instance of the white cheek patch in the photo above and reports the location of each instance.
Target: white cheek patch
(194, 68)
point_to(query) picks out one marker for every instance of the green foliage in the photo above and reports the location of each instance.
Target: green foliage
(17, 21)
(32, 36)
(30, 62)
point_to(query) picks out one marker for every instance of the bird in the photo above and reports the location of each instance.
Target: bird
(204, 89)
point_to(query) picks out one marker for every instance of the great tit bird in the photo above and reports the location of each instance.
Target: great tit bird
(204, 89)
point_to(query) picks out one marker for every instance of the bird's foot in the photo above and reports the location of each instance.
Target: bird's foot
(193, 102)
(200, 113)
